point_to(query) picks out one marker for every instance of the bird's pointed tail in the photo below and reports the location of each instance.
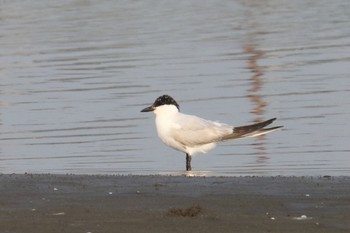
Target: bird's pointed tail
(253, 130)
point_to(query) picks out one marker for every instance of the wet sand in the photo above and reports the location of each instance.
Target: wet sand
(74, 203)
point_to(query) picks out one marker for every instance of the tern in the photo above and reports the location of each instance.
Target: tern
(191, 134)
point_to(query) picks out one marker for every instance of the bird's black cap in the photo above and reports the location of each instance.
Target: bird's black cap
(165, 100)
(161, 100)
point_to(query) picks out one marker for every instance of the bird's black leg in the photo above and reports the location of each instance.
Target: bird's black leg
(188, 162)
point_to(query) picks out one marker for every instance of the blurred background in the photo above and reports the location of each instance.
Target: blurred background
(75, 74)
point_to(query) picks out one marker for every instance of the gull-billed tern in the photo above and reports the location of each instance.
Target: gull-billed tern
(191, 134)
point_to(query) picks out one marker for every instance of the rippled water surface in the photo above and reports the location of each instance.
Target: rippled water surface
(74, 76)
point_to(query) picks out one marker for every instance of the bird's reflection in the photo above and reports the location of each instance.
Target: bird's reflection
(256, 84)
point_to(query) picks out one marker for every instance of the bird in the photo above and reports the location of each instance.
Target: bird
(191, 134)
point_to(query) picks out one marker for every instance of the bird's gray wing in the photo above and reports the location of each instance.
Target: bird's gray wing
(251, 130)
(194, 131)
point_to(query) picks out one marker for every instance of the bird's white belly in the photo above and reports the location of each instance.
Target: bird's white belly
(164, 133)
(164, 130)
(200, 149)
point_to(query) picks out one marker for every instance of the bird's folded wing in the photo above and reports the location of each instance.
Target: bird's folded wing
(194, 131)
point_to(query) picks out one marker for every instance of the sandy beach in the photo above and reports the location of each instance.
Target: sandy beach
(86, 203)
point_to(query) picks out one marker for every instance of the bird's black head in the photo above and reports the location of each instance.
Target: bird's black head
(162, 100)
(165, 100)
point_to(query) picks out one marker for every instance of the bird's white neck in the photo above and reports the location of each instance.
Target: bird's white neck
(165, 110)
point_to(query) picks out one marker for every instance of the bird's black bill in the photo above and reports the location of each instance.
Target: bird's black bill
(148, 109)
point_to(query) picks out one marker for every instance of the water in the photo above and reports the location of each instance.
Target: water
(74, 76)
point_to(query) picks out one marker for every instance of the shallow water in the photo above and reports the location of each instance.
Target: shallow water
(74, 76)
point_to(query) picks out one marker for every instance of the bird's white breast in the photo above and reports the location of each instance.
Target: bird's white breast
(166, 123)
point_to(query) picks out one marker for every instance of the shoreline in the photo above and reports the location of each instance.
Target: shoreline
(156, 203)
